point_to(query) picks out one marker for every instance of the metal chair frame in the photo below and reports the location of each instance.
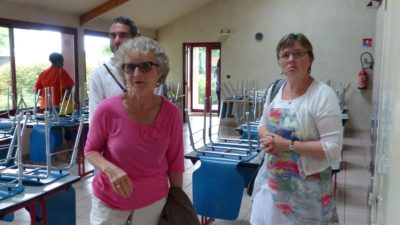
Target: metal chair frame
(16, 154)
(30, 169)
(210, 146)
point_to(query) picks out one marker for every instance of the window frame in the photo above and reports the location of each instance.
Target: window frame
(11, 24)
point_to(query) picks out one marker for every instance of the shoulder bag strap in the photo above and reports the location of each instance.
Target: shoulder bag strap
(115, 79)
(252, 184)
(275, 88)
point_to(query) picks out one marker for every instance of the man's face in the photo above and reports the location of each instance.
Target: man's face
(119, 33)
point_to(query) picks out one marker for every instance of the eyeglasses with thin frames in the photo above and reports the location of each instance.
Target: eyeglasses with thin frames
(144, 67)
(297, 54)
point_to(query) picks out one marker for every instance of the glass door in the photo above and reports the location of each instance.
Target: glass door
(202, 67)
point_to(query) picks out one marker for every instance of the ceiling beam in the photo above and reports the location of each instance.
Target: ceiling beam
(105, 7)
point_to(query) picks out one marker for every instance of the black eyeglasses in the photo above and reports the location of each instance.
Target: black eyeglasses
(143, 67)
(297, 54)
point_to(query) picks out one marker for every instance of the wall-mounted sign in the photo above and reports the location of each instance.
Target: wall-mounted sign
(367, 42)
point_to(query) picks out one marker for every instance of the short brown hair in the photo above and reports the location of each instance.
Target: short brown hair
(289, 40)
(128, 22)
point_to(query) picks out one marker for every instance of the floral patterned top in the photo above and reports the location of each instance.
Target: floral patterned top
(297, 197)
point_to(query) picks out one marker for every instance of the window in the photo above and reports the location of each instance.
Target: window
(31, 58)
(5, 70)
(24, 52)
(97, 51)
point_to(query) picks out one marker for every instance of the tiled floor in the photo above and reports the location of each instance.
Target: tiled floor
(352, 187)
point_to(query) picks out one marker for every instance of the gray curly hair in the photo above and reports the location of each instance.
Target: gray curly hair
(143, 44)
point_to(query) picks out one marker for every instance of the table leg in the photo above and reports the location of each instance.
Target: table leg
(44, 212)
(32, 213)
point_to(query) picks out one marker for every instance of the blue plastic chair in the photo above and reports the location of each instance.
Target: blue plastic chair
(60, 209)
(218, 188)
(253, 132)
(37, 143)
(8, 217)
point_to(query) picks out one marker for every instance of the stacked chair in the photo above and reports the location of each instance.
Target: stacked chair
(46, 164)
(11, 163)
(219, 182)
(11, 187)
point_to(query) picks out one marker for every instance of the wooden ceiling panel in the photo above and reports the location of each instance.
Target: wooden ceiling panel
(148, 14)
(99, 10)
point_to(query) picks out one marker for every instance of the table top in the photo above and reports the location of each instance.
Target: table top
(66, 122)
(32, 192)
(253, 163)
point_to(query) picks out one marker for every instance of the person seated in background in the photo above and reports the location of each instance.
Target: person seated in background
(302, 136)
(55, 77)
(135, 141)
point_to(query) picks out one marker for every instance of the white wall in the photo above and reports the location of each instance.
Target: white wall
(335, 28)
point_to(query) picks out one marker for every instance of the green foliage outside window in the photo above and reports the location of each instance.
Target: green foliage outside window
(202, 91)
(3, 38)
(96, 56)
(26, 78)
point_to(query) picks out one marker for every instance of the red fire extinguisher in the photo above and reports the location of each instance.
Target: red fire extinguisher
(362, 79)
(367, 62)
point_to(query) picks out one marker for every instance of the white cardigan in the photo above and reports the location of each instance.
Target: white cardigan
(319, 118)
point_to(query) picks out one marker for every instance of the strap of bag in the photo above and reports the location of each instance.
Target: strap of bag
(115, 79)
(275, 88)
(61, 88)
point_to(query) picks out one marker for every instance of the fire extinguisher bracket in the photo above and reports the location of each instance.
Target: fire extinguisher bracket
(367, 62)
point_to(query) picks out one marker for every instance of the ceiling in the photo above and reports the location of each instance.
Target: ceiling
(149, 14)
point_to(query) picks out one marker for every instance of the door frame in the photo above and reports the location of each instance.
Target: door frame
(188, 71)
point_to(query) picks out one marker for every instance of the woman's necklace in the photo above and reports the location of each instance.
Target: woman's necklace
(292, 94)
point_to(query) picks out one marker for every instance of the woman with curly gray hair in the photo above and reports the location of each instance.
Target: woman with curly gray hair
(135, 141)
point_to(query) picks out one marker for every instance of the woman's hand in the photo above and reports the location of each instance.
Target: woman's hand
(119, 180)
(273, 143)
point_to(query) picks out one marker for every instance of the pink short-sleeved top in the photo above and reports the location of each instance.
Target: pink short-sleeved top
(145, 152)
